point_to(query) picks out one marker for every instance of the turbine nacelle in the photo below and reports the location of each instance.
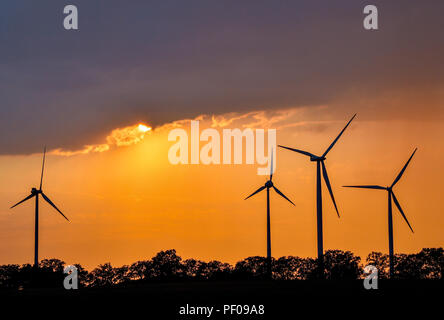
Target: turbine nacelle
(316, 158)
(34, 191)
(269, 184)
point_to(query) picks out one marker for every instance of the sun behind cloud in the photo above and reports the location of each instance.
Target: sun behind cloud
(144, 128)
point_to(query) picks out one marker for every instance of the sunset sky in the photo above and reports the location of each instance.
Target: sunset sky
(104, 98)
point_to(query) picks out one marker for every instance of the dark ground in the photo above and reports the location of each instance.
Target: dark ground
(281, 299)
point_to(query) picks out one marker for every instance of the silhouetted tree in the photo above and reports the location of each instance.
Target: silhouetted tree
(432, 263)
(308, 267)
(341, 265)
(141, 270)
(407, 266)
(82, 276)
(427, 264)
(166, 265)
(292, 268)
(50, 273)
(10, 276)
(27, 276)
(120, 275)
(252, 267)
(52, 265)
(102, 276)
(214, 270)
(381, 262)
(191, 268)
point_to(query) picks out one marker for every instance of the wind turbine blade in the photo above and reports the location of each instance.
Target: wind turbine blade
(27, 198)
(53, 205)
(403, 169)
(271, 167)
(400, 210)
(367, 187)
(299, 151)
(337, 138)
(43, 167)
(327, 182)
(283, 195)
(258, 190)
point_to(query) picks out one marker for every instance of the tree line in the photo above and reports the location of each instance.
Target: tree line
(168, 266)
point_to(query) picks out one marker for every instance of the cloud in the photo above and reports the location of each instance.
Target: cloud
(87, 149)
(303, 118)
(120, 137)
(270, 119)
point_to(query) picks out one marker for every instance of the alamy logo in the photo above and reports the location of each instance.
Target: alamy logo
(371, 20)
(371, 281)
(71, 21)
(71, 281)
(210, 153)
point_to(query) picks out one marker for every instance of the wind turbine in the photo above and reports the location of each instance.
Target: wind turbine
(35, 193)
(320, 163)
(269, 184)
(391, 195)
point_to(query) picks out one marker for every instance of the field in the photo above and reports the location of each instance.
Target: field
(279, 298)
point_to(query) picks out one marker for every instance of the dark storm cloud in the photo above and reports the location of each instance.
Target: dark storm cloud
(158, 61)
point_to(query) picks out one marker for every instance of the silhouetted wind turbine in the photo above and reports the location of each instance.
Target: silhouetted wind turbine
(391, 195)
(320, 162)
(269, 184)
(35, 193)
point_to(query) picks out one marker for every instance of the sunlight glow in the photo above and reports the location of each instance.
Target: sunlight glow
(144, 128)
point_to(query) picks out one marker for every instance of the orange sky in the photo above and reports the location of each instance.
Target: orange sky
(127, 202)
